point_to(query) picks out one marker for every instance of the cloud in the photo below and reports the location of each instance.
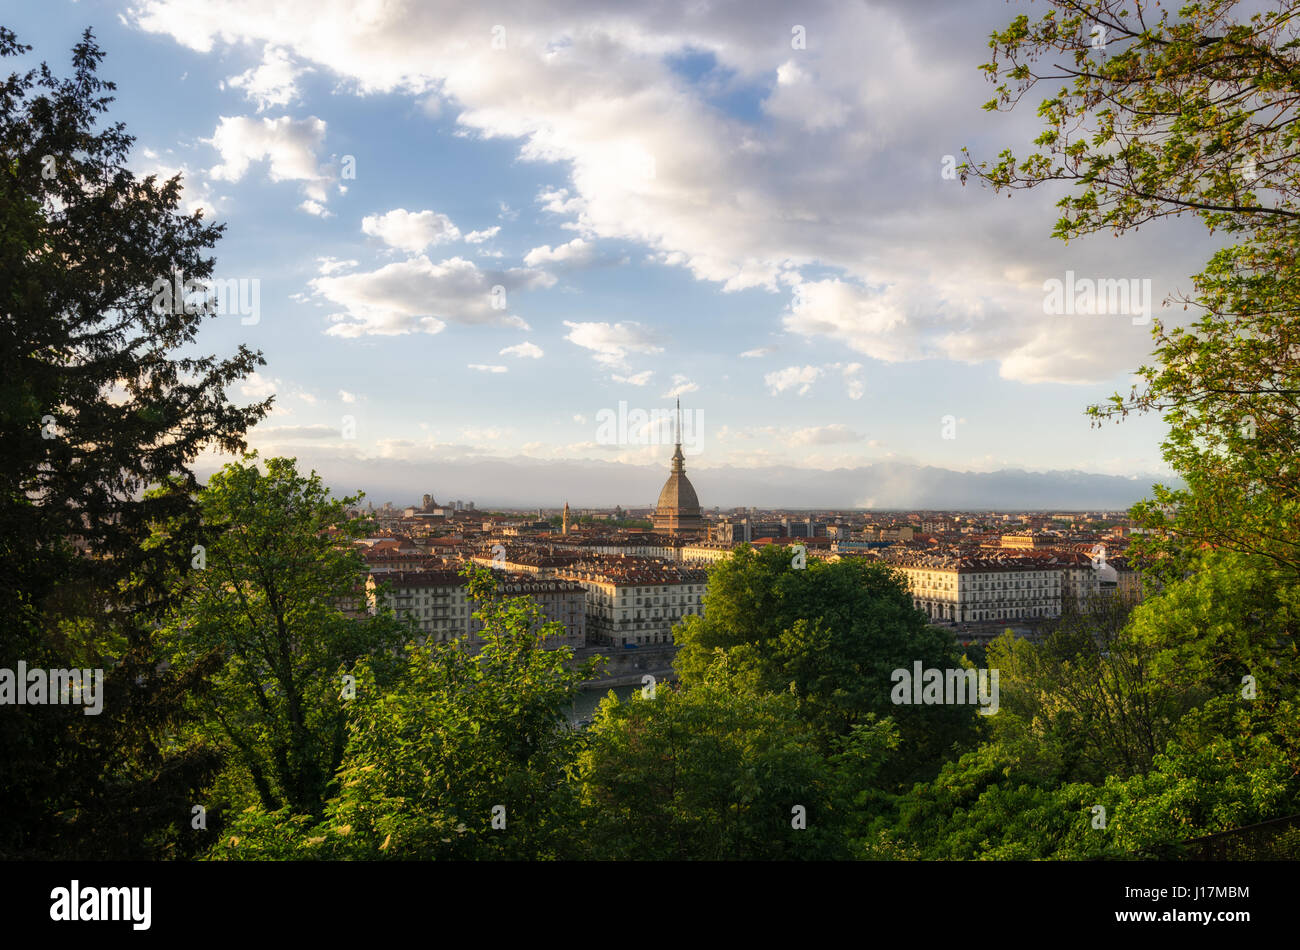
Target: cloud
(347, 396)
(636, 379)
(792, 376)
(273, 83)
(611, 342)
(484, 368)
(577, 253)
(196, 194)
(330, 265)
(295, 433)
(410, 231)
(826, 187)
(825, 435)
(761, 351)
(523, 350)
(853, 384)
(316, 208)
(419, 296)
(257, 386)
(681, 385)
(288, 146)
(478, 237)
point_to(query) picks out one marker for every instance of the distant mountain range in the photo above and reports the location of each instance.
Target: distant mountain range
(528, 482)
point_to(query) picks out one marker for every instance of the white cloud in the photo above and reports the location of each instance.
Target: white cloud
(295, 433)
(347, 396)
(611, 342)
(330, 265)
(792, 376)
(288, 146)
(419, 296)
(257, 386)
(273, 83)
(853, 383)
(478, 237)
(761, 351)
(316, 208)
(484, 368)
(410, 231)
(681, 385)
(577, 253)
(523, 350)
(835, 180)
(636, 379)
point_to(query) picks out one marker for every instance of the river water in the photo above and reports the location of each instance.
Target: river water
(584, 707)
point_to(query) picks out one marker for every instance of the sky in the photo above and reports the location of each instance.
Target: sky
(480, 232)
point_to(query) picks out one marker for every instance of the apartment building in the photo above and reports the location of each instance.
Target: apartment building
(636, 602)
(439, 603)
(971, 589)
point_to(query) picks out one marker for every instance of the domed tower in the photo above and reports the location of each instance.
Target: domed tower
(678, 511)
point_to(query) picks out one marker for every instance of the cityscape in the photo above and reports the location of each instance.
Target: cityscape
(459, 449)
(613, 585)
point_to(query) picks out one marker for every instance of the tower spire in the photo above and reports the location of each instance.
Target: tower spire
(679, 460)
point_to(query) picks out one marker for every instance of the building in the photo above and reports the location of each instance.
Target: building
(635, 602)
(678, 510)
(968, 589)
(439, 603)
(1031, 541)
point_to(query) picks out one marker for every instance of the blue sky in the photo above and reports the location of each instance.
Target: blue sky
(678, 202)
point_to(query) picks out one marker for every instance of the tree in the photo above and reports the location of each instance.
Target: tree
(466, 756)
(276, 596)
(832, 635)
(1168, 115)
(718, 770)
(1089, 700)
(95, 407)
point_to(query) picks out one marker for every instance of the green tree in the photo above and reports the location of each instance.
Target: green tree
(718, 770)
(278, 595)
(461, 740)
(96, 406)
(831, 634)
(1186, 113)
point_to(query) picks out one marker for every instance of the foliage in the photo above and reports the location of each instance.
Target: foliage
(831, 634)
(718, 770)
(95, 407)
(279, 596)
(459, 735)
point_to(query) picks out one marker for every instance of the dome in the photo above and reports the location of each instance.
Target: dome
(678, 510)
(678, 494)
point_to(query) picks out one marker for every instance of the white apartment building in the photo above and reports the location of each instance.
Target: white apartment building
(637, 605)
(706, 552)
(977, 589)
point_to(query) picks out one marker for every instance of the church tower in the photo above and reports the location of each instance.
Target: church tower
(678, 511)
(565, 523)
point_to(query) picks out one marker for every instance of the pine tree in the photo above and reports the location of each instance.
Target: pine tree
(97, 406)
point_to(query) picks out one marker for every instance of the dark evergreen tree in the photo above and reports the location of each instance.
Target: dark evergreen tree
(101, 397)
